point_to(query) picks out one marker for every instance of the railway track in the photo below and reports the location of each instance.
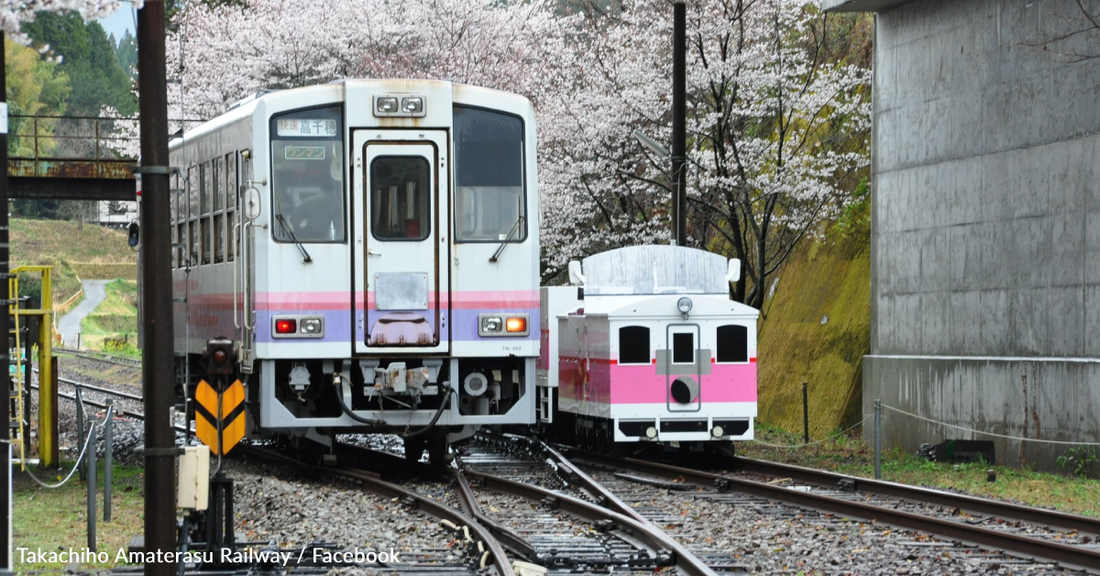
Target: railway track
(621, 540)
(479, 549)
(1008, 534)
(100, 356)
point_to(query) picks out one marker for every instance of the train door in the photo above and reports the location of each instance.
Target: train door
(684, 371)
(400, 200)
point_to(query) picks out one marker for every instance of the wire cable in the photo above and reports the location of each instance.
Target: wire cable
(995, 435)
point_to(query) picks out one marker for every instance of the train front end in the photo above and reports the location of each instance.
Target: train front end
(389, 269)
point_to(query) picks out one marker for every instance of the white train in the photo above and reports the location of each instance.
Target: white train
(370, 250)
(650, 348)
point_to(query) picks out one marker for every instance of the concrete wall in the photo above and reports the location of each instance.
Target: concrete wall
(985, 289)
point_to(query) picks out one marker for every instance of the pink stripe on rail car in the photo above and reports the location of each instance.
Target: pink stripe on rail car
(289, 301)
(640, 384)
(506, 299)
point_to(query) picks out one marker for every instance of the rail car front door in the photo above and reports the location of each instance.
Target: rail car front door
(684, 364)
(401, 210)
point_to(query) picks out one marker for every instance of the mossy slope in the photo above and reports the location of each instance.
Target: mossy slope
(815, 328)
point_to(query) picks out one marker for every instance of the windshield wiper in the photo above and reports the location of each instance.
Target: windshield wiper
(306, 258)
(503, 243)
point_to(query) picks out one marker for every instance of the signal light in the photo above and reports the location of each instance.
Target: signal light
(286, 326)
(220, 356)
(516, 324)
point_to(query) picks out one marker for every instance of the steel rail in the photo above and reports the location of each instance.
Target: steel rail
(1052, 518)
(98, 389)
(1009, 543)
(649, 535)
(507, 537)
(441, 511)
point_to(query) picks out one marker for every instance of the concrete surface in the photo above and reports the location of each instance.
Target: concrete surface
(985, 268)
(69, 324)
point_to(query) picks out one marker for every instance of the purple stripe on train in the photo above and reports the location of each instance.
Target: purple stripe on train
(461, 325)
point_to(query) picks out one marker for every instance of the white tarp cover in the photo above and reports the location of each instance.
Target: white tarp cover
(656, 269)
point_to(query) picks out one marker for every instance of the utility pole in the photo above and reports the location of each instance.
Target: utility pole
(156, 373)
(679, 123)
(5, 324)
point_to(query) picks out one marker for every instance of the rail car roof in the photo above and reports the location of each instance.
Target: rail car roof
(642, 306)
(656, 269)
(334, 92)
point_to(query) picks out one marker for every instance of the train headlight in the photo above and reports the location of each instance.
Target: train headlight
(507, 326)
(490, 324)
(651, 432)
(718, 432)
(684, 305)
(385, 105)
(413, 105)
(312, 325)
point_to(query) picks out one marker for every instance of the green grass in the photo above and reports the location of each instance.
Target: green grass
(846, 454)
(65, 245)
(54, 520)
(112, 327)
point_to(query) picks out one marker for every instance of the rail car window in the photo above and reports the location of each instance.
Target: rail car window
(400, 198)
(231, 203)
(633, 345)
(489, 198)
(733, 344)
(307, 163)
(683, 348)
(193, 191)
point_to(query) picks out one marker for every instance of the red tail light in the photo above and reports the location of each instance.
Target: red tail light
(286, 326)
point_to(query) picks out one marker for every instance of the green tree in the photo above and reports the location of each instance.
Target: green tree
(35, 87)
(88, 57)
(127, 54)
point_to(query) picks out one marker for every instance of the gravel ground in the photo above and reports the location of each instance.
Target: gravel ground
(285, 509)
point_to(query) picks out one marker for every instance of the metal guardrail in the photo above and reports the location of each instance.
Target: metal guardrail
(71, 147)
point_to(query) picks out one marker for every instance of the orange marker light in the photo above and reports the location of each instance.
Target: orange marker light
(516, 325)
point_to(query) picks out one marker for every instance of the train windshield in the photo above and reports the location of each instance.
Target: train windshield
(489, 199)
(307, 176)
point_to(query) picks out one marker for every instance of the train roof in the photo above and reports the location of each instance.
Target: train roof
(334, 92)
(641, 306)
(656, 269)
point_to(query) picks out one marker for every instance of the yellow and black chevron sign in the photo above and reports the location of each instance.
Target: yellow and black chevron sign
(219, 418)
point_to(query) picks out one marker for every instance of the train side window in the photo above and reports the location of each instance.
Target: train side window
(207, 195)
(218, 191)
(193, 192)
(634, 345)
(489, 176)
(218, 183)
(733, 344)
(683, 348)
(231, 201)
(400, 198)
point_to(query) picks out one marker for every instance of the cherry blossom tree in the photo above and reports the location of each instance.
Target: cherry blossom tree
(14, 12)
(777, 127)
(776, 132)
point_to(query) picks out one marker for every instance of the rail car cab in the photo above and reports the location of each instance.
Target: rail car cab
(651, 349)
(371, 247)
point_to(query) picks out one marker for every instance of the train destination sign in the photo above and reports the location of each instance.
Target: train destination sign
(306, 127)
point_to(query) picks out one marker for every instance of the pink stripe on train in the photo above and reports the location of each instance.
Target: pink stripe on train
(342, 300)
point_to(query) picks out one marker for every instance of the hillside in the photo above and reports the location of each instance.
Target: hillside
(816, 329)
(89, 252)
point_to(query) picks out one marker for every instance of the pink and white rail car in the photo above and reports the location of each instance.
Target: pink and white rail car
(650, 348)
(370, 249)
